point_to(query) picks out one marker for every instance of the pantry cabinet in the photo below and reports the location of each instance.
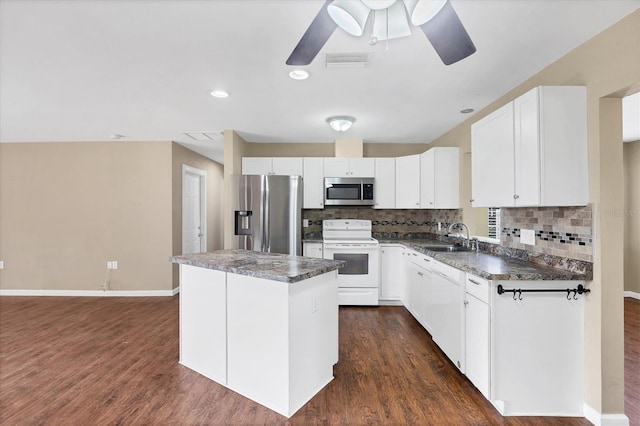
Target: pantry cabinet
(532, 151)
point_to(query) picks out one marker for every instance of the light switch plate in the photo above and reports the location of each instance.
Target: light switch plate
(1, 264)
(528, 236)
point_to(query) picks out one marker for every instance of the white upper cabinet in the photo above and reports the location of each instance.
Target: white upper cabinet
(408, 182)
(532, 151)
(385, 188)
(439, 178)
(349, 167)
(492, 159)
(313, 183)
(289, 166)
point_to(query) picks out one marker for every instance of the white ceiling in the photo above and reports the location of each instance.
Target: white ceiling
(84, 70)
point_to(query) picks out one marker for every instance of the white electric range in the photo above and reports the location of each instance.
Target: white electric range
(350, 240)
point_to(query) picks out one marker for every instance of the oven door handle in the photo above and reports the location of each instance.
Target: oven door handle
(349, 247)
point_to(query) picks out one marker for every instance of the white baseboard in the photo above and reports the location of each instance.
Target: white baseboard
(92, 293)
(600, 419)
(632, 294)
(389, 302)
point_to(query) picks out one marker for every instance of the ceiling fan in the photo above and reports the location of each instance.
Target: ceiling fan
(436, 18)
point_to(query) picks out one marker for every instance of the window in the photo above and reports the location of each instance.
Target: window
(494, 223)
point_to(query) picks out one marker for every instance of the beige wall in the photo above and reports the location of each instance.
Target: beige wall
(352, 148)
(631, 154)
(234, 149)
(68, 208)
(608, 65)
(327, 149)
(215, 179)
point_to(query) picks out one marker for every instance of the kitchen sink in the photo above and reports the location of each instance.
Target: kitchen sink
(449, 249)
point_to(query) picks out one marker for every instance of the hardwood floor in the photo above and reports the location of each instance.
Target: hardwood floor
(632, 360)
(115, 361)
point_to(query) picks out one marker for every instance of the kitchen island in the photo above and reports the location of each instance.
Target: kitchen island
(264, 325)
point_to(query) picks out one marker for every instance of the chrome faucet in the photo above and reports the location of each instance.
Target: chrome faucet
(465, 243)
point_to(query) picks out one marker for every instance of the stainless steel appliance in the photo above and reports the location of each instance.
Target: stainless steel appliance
(348, 191)
(350, 240)
(267, 213)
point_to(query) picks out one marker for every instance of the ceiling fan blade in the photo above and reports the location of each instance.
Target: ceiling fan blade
(448, 36)
(314, 38)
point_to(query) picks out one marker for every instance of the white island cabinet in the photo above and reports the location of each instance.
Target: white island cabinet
(270, 336)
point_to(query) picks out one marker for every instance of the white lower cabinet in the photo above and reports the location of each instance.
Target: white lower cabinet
(448, 312)
(477, 333)
(312, 249)
(391, 270)
(524, 354)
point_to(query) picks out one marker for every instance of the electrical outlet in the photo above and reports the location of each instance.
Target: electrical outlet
(528, 236)
(1, 264)
(114, 264)
(439, 226)
(305, 223)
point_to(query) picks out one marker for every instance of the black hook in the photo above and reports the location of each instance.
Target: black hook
(514, 294)
(575, 294)
(519, 294)
(568, 294)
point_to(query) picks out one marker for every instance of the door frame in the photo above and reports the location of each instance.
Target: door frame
(202, 174)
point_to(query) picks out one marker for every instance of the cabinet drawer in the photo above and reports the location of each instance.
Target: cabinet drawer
(420, 260)
(450, 273)
(478, 287)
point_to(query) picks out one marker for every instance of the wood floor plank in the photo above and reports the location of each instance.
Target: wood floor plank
(115, 361)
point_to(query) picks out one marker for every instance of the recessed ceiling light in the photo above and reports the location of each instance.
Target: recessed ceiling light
(116, 136)
(299, 74)
(218, 93)
(467, 111)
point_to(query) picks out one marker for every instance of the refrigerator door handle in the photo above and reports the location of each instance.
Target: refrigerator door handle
(265, 219)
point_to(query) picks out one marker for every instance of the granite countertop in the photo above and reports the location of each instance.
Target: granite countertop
(490, 266)
(270, 266)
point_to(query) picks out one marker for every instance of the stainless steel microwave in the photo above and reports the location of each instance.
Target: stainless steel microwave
(348, 191)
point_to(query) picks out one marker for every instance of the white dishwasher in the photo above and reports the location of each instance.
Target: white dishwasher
(447, 291)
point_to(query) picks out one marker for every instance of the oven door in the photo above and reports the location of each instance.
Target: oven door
(362, 260)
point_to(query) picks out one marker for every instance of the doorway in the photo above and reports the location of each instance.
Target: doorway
(194, 212)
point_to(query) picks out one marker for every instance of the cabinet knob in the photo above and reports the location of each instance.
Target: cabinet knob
(471, 200)
(516, 196)
(417, 204)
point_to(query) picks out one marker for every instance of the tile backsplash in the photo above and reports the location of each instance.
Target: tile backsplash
(559, 231)
(385, 223)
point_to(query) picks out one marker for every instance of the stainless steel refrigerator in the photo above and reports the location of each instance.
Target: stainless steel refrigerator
(266, 213)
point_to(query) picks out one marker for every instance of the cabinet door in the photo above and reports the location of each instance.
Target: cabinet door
(385, 189)
(492, 169)
(362, 167)
(256, 165)
(313, 183)
(312, 250)
(390, 264)
(526, 149)
(408, 182)
(427, 179)
(477, 343)
(336, 167)
(288, 166)
(447, 178)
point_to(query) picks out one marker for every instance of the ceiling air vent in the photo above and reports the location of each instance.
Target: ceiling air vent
(204, 136)
(347, 60)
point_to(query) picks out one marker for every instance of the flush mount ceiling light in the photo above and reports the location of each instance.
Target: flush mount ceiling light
(299, 74)
(466, 111)
(219, 93)
(340, 123)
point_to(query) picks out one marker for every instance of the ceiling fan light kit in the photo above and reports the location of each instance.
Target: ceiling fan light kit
(340, 123)
(437, 19)
(349, 15)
